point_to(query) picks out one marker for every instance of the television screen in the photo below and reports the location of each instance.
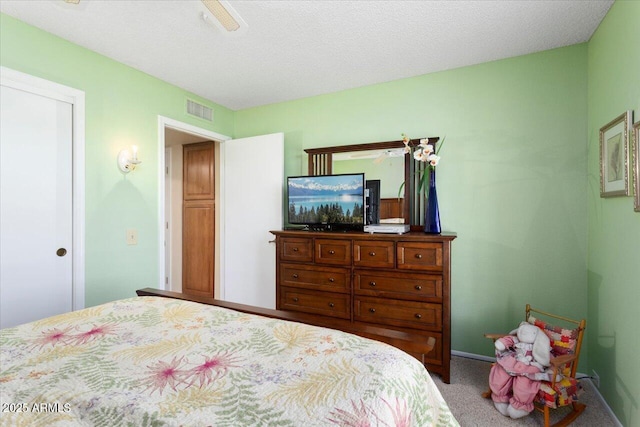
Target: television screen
(326, 199)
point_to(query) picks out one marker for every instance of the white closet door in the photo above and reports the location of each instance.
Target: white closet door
(253, 177)
(35, 207)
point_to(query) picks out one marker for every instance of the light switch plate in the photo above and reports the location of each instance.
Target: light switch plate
(132, 236)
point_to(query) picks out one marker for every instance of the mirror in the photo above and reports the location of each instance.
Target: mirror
(387, 168)
(384, 165)
(383, 161)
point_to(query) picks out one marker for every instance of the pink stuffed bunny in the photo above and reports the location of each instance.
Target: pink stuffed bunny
(522, 358)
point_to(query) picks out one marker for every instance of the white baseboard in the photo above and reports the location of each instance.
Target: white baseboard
(606, 405)
(473, 356)
(598, 394)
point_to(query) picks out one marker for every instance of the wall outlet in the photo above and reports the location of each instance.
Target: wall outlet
(596, 379)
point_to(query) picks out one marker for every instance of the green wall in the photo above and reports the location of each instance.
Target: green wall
(511, 181)
(122, 108)
(614, 228)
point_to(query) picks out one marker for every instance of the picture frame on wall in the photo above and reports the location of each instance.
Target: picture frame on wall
(614, 156)
(636, 165)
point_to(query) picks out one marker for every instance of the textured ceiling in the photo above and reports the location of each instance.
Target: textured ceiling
(295, 49)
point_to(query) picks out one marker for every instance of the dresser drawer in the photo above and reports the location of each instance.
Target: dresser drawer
(307, 301)
(296, 249)
(373, 254)
(419, 256)
(420, 315)
(412, 286)
(310, 277)
(333, 251)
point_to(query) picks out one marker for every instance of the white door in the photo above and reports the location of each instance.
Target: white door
(36, 277)
(253, 176)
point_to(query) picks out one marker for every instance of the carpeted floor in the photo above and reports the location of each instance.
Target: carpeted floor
(469, 378)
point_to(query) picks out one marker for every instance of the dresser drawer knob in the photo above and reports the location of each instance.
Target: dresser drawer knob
(331, 279)
(295, 249)
(419, 256)
(372, 310)
(372, 253)
(295, 276)
(295, 299)
(418, 287)
(331, 305)
(372, 283)
(332, 252)
(418, 316)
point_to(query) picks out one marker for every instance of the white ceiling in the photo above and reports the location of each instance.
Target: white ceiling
(295, 49)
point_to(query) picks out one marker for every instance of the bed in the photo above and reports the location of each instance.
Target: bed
(153, 360)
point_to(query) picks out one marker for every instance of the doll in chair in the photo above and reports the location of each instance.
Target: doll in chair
(522, 358)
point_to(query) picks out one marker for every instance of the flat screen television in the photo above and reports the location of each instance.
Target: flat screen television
(327, 202)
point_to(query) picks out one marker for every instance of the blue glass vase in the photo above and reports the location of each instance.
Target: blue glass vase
(431, 212)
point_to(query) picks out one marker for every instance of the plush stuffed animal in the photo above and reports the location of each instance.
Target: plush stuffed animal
(522, 358)
(532, 345)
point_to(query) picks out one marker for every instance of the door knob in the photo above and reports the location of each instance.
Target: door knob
(61, 252)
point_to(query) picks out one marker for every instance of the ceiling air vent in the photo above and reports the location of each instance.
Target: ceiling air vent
(199, 110)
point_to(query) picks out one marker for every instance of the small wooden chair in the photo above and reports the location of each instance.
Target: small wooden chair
(565, 353)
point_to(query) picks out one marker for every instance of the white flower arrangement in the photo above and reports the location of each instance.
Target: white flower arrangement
(423, 152)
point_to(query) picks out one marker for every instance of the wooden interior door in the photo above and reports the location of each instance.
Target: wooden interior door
(198, 219)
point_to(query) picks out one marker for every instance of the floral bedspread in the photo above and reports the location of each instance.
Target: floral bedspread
(154, 361)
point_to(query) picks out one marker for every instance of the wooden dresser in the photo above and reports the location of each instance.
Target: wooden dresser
(394, 282)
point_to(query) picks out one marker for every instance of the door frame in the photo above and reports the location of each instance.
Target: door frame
(168, 218)
(166, 122)
(36, 85)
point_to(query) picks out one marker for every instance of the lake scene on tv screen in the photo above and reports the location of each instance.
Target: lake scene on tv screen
(335, 199)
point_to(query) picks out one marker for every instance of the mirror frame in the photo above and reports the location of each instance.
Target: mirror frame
(320, 162)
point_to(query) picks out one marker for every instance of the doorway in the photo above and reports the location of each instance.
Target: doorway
(174, 136)
(244, 269)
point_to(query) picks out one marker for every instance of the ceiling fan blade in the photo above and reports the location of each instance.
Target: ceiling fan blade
(397, 152)
(225, 14)
(357, 155)
(381, 157)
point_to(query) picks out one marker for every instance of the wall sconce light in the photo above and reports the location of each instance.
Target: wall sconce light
(128, 161)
